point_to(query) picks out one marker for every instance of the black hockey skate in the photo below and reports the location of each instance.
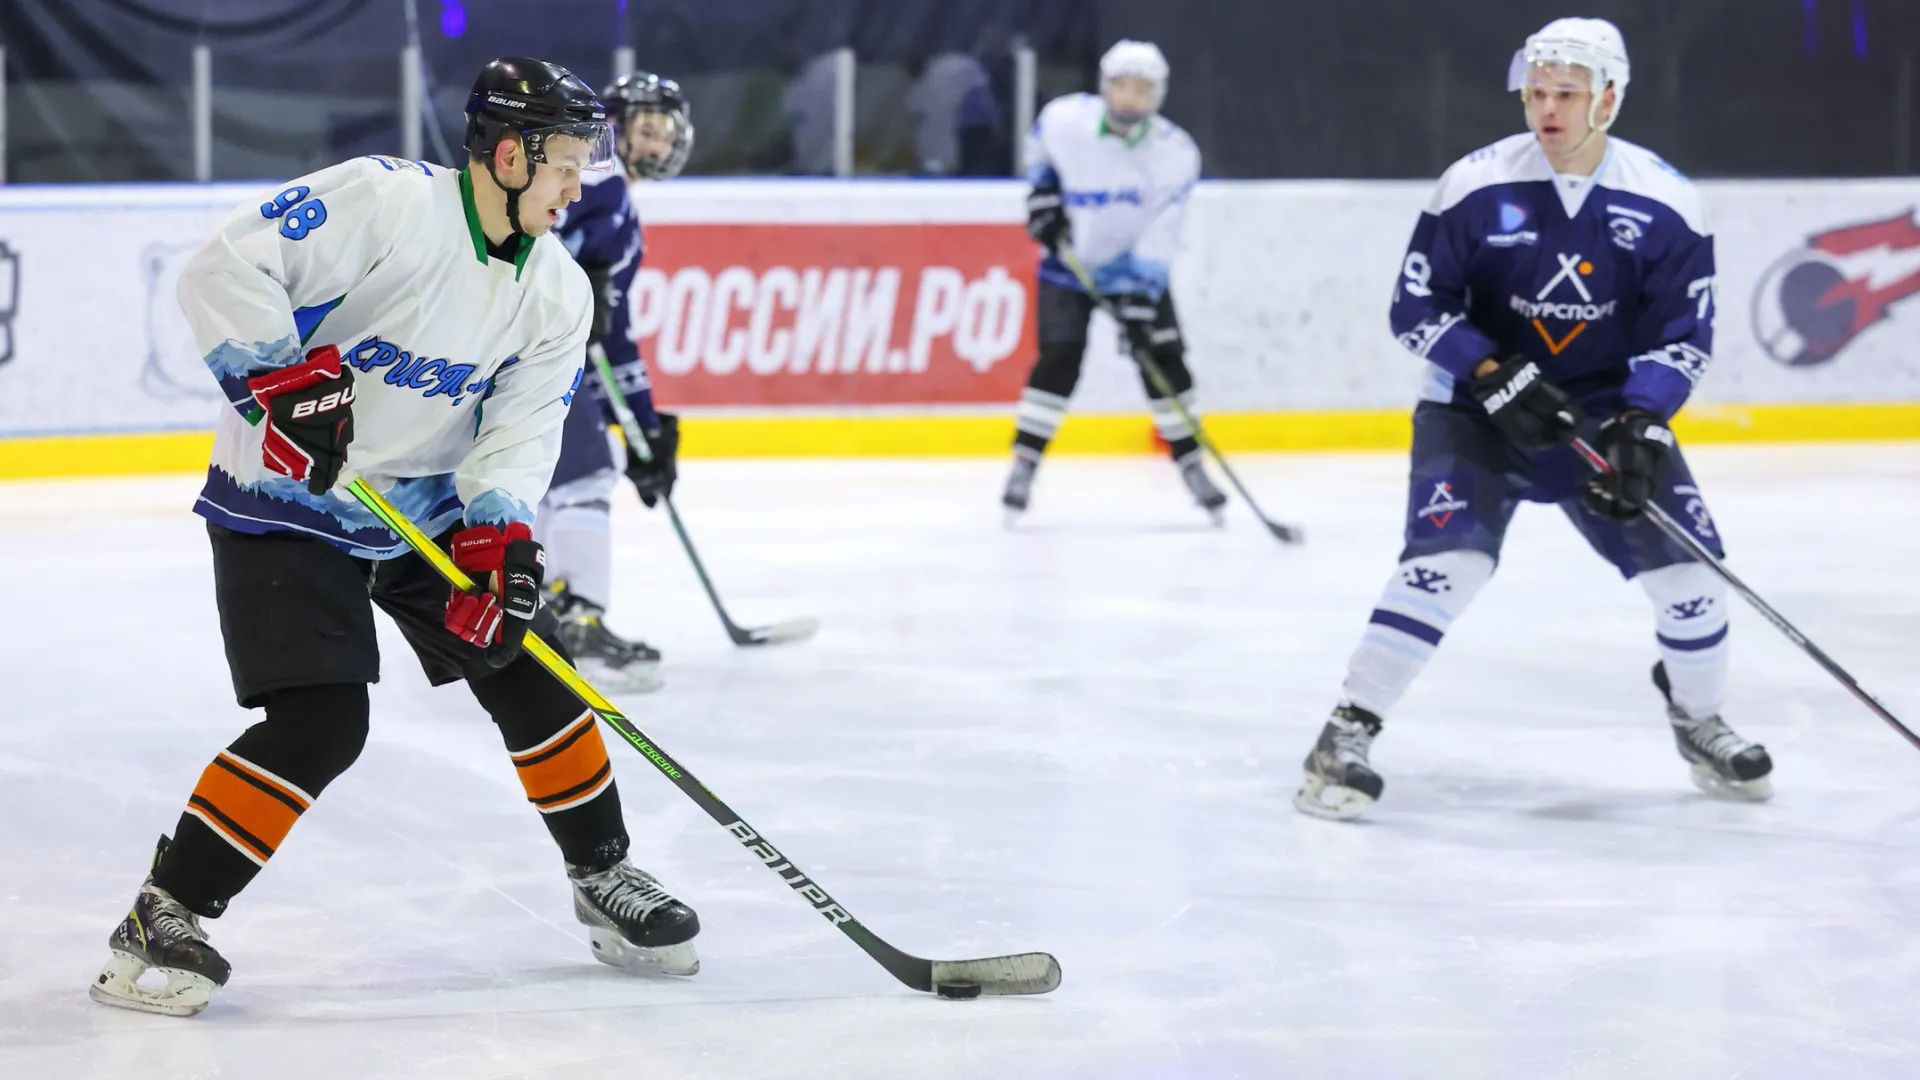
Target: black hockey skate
(1340, 783)
(606, 659)
(160, 934)
(1019, 489)
(1724, 764)
(634, 924)
(1210, 498)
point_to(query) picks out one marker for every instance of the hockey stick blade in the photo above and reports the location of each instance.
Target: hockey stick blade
(1025, 973)
(1679, 535)
(780, 633)
(1000, 976)
(1286, 534)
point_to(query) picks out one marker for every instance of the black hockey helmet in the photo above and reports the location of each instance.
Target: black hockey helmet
(645, 92)
(537, 101)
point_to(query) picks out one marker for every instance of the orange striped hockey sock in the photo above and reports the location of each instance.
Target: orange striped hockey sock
(560, 759)
(251, 794)
(567, 768)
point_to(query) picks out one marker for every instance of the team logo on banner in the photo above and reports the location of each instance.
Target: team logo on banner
(835, 314)
(9, 298)
(1813, 301)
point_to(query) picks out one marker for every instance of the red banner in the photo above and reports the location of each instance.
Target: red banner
(836, 314)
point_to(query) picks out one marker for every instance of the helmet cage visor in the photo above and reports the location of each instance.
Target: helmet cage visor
(644, 162)
(584, 145)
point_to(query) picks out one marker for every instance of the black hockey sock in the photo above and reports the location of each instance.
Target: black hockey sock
(249, 798)
(561, 760)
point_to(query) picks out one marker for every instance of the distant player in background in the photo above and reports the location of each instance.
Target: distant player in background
(1561, 284)
(1111, 177)
(465, 324)
(655, 134)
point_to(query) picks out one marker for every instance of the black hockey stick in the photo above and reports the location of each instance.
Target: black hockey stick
(1287, 534)
(1679, 535)
(779, 633)
(1023, 973)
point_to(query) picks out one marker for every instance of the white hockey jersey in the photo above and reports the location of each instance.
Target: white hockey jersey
(1126, 197)
(465, 364)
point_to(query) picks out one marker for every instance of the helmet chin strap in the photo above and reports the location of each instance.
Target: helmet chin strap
(513, 194)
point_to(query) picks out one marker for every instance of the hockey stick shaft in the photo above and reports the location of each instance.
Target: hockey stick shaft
(1023, 974)
(630, 429)
(1164, 387)
(1679, 535)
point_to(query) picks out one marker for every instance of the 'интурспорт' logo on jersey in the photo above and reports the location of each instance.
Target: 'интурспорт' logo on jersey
(1813, 301)
(1574, 269)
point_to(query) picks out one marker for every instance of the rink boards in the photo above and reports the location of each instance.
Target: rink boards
(795, 318)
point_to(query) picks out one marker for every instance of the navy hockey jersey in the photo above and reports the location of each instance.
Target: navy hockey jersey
(1606, 281)
(603, 228)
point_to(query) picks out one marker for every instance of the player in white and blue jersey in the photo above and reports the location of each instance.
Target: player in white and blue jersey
(654, 132)
(1111, 178)
(1559, 284)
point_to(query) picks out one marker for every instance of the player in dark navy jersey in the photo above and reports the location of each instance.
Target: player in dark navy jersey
(1559, 284)
(655, 135)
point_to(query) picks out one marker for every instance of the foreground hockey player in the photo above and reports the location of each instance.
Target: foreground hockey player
(654, 134)
(1560, 283)
(1111, 178)
(420, 324)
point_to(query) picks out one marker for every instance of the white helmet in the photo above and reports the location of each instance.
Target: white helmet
(1141, 58)
(1594, 44)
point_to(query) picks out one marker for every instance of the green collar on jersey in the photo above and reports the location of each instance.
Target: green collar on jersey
(1131, 138)
(479, 235)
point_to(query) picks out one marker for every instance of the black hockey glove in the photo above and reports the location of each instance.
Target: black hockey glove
(1138, 316)
(309, 418)
(1047, 216)
(1522, 403)
(1635, 443)
(653, 479)
(600, 276)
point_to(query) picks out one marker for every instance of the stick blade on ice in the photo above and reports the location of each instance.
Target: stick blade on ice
(783, 633)
(1021, 973)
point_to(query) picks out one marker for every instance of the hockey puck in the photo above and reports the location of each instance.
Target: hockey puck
(958, 991)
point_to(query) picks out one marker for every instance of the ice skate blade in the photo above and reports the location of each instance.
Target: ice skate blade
(1010, 518)
(642, 677)
(1317, 798)
(1711, 782)
(615, 951)
(1217, 515)
(185, 994)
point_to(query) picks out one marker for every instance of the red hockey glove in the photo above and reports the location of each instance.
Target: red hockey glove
(309, 418)
(507, 568)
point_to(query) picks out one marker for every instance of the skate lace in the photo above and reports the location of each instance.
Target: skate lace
(170, 920)
(1715, 738)
(1198, 482)
(1021, 478)
(1351, 741)
(629, 892)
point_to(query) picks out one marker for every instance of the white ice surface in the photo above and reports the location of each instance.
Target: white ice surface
(1082, 737)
